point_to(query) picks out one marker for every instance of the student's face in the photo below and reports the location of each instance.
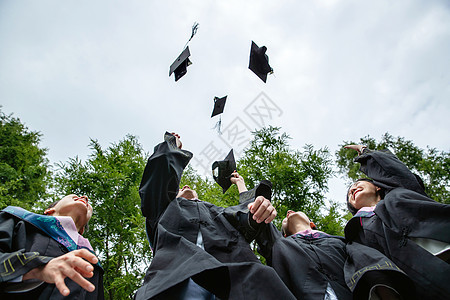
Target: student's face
(363, 194)
(73, 205)
(187, 193)
(292, 219)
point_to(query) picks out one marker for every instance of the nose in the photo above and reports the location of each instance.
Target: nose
(185, 187)
(85, 198)
(289, 212)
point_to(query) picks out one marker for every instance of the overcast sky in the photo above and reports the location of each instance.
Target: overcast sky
(76, 70)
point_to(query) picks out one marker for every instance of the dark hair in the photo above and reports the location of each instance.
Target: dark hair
(53, 204)
(380, 193)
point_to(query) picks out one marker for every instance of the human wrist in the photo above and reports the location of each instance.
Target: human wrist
(32, 274)
(241, 186)
(361, 150)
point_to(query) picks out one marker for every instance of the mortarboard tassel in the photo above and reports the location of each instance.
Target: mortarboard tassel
(194, 31)
(218, 125)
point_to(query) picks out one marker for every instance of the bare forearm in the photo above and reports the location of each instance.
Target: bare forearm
(241, 186)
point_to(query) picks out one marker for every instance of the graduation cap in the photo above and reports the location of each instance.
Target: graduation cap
(259, 61)
(179, 66)
(219, 105)
(223, 169)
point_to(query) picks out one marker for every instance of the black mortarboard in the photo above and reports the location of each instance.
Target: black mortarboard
(259, 62)
(179, 66)
(223, 169)
(219, 105)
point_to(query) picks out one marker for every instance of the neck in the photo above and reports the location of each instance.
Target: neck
(79, 224)
(300, 226)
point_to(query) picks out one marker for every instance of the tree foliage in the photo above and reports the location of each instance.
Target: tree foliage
(111, 178)
(24, 169)
(299, 178)
(432, 165)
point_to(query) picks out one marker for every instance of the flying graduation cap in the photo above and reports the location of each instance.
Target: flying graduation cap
(219, 105)
(259, 61)
(179, 66)
(223, 169)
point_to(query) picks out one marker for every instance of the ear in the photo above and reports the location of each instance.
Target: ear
(49, 211)
(312, 225)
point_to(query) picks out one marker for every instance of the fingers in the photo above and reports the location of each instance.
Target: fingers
(262, 210)
(235, 177)
(75, 265)
(80, 280)
(61, 286)
(177, 139)
(87, 255)
(354, 147)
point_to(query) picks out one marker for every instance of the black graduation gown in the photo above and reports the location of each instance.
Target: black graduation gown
(307, 264)
(405, 212)
(24, 247)
(227, 267)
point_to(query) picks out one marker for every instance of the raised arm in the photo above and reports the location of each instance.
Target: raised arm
(386, 169)
(162, 175)
(238, 180)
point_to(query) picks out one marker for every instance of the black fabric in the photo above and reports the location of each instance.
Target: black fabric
(307, 265)
(405, 212)
(259, 61)
(224, 169)
(20, 239)
(179, 66)
(227, 267)
(366, 267)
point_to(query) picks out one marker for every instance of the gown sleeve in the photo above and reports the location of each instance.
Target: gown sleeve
(15, 262)
(161, 179)
(366, 268)
(239, 215)
(266, 238)
(388, 171)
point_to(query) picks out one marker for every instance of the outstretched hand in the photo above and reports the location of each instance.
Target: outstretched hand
(72, 265)
(238, 180)
(177, 139)
(358, 148)
(262, 210)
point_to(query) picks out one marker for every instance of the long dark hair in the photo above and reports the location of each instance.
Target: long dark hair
(380, 193)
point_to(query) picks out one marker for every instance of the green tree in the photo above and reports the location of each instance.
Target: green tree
(24, 169)
(111, 178)
(432, 165)
(299, 178)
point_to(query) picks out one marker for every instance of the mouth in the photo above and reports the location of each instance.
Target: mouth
(356, 192)
(82, 200)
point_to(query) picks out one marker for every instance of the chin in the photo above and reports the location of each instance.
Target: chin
(188, 194)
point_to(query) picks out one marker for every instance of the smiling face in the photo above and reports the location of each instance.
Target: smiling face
(363, 194)
(187, 193)
(295, 222)
(72, 206)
